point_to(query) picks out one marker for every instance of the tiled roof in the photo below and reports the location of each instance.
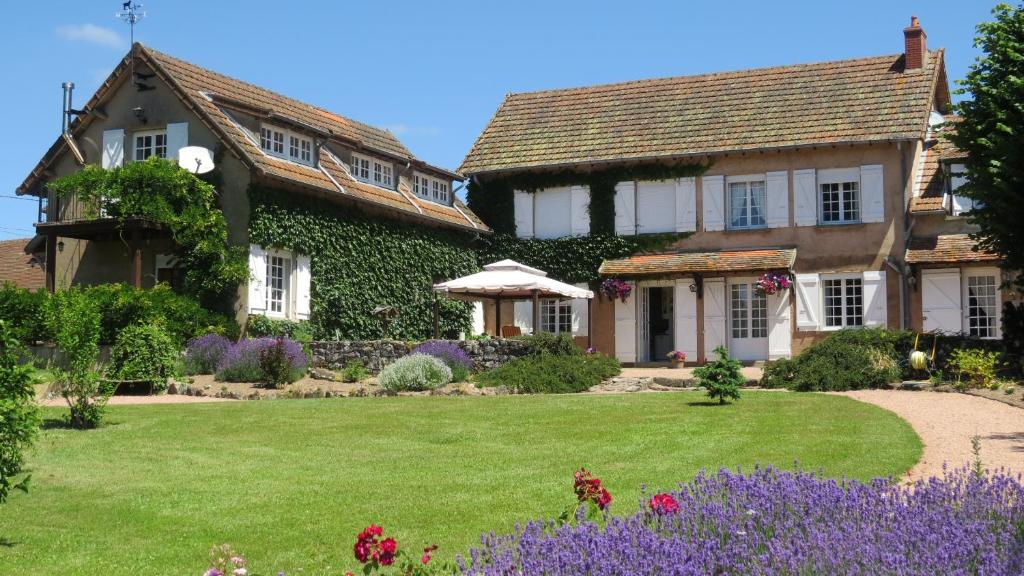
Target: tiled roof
(931, 184)
(212, 95)
(19, 268)
(864, 100)
(755, 260)
(951, 249)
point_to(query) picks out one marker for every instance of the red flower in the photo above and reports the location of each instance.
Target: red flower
(374, 530)
(385, 554)
(604, 499)
(368, 547)
(589, 488)
(664, 504)
(426, 553)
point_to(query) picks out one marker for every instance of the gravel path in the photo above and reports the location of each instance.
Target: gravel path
(947, 421)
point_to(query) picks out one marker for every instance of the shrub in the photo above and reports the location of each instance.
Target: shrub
(722, 377)
(550, 374)
(144, 352)
(76, 329)
(242, 361)
(19, 414)
(548, 343)
(846, 360)
(261, 326)
(354, 371)
(25, 312)
(203, 354)
(454, 357)
(415, 372)
(775, 522)
(974, 368)
(276, 364)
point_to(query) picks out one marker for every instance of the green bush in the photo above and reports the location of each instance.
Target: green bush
(19, 414)
(354, 371)
(548, 343)
(146, 353)
(25, 312)
(846, 360)
(415, 372)
(722, 377)
(75, 323)
(551, 374)
(260, 326)
(974, 368)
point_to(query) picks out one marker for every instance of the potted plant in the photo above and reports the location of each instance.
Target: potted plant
(677, 358)
(616, 289)
(771, 282)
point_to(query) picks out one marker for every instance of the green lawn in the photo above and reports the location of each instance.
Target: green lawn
(289, 483)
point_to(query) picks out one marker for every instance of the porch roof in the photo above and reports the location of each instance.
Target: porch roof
(951, 248)
(749, 260)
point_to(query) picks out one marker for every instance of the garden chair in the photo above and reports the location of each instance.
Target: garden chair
(510, 331)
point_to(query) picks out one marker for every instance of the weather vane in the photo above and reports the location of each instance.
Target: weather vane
(131, 12)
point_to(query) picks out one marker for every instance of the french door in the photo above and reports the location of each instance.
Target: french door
(748, 321)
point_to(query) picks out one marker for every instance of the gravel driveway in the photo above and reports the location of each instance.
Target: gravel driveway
(947, 421)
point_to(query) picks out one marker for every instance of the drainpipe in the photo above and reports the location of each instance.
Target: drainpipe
(898, 266)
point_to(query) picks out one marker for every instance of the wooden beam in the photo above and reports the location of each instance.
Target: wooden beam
(497, 317)
(51, 263)
(137, 260)
(536, 311)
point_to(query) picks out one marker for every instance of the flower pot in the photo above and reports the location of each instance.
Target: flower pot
(676, 364)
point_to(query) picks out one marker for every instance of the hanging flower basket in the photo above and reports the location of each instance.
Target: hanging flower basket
(616, 289)
(772, 282)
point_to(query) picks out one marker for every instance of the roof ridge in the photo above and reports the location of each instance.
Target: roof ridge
(737, 72)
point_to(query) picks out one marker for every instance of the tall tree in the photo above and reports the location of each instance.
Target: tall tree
(991, 132)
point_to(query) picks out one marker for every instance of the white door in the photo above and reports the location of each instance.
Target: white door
(748, 320)
(940, 300)
(714, 317)
(625, 327)
(643, 316)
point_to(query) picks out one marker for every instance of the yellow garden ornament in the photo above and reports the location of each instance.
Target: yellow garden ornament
(920, 360)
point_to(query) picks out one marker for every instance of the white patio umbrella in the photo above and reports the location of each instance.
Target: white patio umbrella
(510, 280)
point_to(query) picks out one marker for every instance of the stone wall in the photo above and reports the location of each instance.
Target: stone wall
(376, 354)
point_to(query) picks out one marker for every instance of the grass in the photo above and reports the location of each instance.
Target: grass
(289, 483)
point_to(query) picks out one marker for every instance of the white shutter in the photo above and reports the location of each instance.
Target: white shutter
(478, 319)
(257, 279)
(714, 203)
(805, 194)
(552, 213)
(523, 206)
(941, 301)
(686, 204)
(625, 327)
(808, 299)
(625, 208)
(523, 312)
(303, 276)
(685, 322)
(580, 317)
(113, 148)
(876, 301)
(177, 138)
(957, 178)
(655, 207)
(714, 316)
(780, 333)
(580, 210)
(777, 211)
(872, 194)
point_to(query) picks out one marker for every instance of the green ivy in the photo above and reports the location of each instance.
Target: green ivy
(360, 261)
(160, 191)
(492, 199)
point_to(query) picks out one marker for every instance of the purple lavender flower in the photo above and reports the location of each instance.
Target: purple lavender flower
(774, 522)
(446, 352)
(203, 354)
(241, 362)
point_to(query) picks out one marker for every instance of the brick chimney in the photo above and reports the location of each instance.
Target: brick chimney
(915, 49)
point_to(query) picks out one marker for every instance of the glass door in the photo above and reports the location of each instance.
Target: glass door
(748, 321)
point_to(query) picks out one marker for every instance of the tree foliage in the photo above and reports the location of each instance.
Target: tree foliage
(19, 415)
(76, 325)
(160, 191)
(991, 132)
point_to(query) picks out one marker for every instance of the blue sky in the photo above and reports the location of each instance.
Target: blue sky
(432, 72)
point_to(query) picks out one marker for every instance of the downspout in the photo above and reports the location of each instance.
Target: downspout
(908, 225)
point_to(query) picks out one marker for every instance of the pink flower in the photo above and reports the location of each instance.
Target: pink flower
(664, 504)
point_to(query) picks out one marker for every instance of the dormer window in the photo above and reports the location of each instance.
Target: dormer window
(373, 171)
(429, 188)
(286, 144)
(150, 143)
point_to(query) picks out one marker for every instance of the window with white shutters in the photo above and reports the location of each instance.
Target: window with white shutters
(278, 265)
(746, 204)
(839, 196)
(843, 301)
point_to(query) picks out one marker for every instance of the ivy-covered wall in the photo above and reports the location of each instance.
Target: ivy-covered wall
(360, 262)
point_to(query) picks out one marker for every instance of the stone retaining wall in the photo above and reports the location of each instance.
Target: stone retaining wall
(376, 354)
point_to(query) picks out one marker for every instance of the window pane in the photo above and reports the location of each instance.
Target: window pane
(833, 302)
(738, 208)
(739, 312)
(276, 274)
(565, 317)
(851, 202)
(830, 203)
(982, 297)
(854, 302)
(758, 198)
(758, 314)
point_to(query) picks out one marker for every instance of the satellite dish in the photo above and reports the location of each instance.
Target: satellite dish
(935, 119)
(195, 159)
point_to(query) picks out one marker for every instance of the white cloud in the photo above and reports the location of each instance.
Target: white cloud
(92, 34)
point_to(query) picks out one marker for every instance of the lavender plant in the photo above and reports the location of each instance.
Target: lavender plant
(454, 357)
(203, 354)
(242, 361)
(775, 522)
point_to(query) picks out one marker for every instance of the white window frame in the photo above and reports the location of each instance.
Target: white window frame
(286, 144)
(747, 181)
(753, 318)
(846, 320)
(287, 288)
(373, 170)
(558, 312)
(967, 274)
(430, 188)
(840, 176)
(153, 148)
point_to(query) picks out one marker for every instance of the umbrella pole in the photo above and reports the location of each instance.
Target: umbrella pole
(497, 317)
(536, 311)
(590, 323)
